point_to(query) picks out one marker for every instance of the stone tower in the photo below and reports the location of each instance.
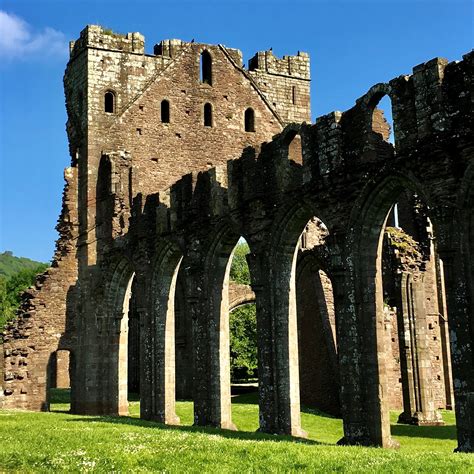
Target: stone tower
(185, 108)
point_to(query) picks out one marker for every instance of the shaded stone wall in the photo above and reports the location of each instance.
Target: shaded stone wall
(319, 375)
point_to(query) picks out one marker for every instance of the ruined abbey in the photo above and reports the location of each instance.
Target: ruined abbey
(361, 250)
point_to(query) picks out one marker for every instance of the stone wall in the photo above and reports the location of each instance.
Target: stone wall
(46, 320)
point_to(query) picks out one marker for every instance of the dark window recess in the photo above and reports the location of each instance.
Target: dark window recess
(109, 102)
(207, 115)
(293, 95)
(165, 111)
(249, 120)
(206, 68)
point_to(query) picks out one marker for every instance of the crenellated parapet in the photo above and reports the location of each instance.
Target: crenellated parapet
(295, 66)
(96, 36)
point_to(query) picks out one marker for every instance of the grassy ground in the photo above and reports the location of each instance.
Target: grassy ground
(58, 441)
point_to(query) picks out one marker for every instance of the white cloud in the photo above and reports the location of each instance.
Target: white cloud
(19, 40)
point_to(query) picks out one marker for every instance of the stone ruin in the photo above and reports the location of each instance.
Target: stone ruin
(361, 250)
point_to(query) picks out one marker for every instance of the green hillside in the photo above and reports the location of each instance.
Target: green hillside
(11, 265)
(16, 275)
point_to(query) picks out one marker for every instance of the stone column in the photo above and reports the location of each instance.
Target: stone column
(459, 298)
(278, 372)
(208, 300)
(87, 381)
(415, 361)
(444, 333)
(349, 357)
(362, 354)
(157, 356)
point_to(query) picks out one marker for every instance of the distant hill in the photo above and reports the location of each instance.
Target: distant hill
(11, 265)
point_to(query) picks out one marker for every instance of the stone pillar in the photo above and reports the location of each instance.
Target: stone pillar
(273, 281)
(415, 362)
(86, 381)
(209, 302)
(157, 336)
(444, 333)
(459, 298)
(363, 354)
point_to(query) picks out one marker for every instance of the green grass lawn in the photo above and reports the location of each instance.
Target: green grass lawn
(58, 441)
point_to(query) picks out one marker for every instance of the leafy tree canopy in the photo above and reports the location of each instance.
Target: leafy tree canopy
(239, 270)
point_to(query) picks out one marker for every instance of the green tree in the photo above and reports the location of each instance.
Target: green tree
(239, 270)
(243, 342)
(242, 322)
(6, 310)
(11, 290)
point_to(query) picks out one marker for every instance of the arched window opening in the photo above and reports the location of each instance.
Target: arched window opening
(382, 121)
(183, 341)
(206, 68)
(123, 350)
(207, 115)
(412, 297)
(242, 320)
(249, 120)
(133, 351)
(165, 111)
(109, 102)
(398, 295)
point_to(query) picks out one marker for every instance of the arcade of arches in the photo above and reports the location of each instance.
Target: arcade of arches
(361, 266)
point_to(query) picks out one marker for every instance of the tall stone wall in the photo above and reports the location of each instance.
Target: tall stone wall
(45, 321)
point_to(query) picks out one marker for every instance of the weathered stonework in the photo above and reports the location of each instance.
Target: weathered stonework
(156, 202)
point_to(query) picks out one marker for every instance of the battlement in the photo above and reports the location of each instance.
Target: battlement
(295, 66)
(168, 47)
(96, 36)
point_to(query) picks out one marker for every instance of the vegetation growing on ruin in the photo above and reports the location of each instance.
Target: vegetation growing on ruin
(110, 32)
(404, 243)
(46, 442)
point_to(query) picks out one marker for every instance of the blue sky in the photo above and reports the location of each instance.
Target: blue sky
(353, 44)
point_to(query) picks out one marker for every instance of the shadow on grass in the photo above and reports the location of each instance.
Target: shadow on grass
(251, 398)
(242, 435)
(62, 396)
(432, 432)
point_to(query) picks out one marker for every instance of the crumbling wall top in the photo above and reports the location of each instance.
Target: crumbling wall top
(296, 66)
(96, 36)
